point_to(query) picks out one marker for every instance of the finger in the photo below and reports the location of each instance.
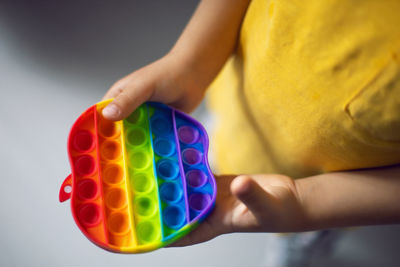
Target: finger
(203, 233)
(116, 88)
(112, 92)
(256, 199)
(126, 100)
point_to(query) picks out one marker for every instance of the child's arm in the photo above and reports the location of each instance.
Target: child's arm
(275, 203)
(180, 77)
(351, 198)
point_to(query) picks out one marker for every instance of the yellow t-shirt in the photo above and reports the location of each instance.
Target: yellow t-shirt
(314, 86)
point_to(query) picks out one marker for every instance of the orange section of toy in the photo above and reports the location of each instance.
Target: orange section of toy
(114, 182)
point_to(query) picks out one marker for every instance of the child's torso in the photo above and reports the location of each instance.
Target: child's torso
(314, 87)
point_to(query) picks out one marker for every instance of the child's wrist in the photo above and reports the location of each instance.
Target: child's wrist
(186, 69)
(305, 222)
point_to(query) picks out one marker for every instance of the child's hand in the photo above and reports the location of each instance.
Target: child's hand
(276, 203)
(166, 80)
(180, 78)
(256, 203)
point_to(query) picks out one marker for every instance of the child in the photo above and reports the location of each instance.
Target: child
(307, 90)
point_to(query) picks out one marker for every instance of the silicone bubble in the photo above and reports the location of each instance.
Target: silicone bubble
(87, 189)
(160, 126)
(141, 183)
(164, 147)
(85, 165)
(83, 141)
(174, 216)
(108, 128)
(116, 198)
(113, 174)
(147, 232)
(167, 169)
(191, 156)
(111, 150)
(89, 214)
(136, 116)
(170, 192)
(198, 201)
(118, 223)
(139, 159)
(196, 178)
(188, 135)
(145, 206)
(136, 136)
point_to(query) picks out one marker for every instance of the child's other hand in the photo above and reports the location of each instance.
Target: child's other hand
(276, 203)
(256, 203)
(166, 80)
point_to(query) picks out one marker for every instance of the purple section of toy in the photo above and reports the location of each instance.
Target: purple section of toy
(200, 183)
(181, 168)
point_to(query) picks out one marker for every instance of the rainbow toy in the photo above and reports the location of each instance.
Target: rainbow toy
(141, 183)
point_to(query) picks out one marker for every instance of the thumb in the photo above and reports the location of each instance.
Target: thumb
(131, 96)
(248, 191)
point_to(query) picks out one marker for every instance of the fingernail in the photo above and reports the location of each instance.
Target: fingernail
(111, 111)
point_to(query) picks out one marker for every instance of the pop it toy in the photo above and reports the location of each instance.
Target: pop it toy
(141, 183)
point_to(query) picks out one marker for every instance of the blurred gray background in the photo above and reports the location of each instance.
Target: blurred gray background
(56, 59)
